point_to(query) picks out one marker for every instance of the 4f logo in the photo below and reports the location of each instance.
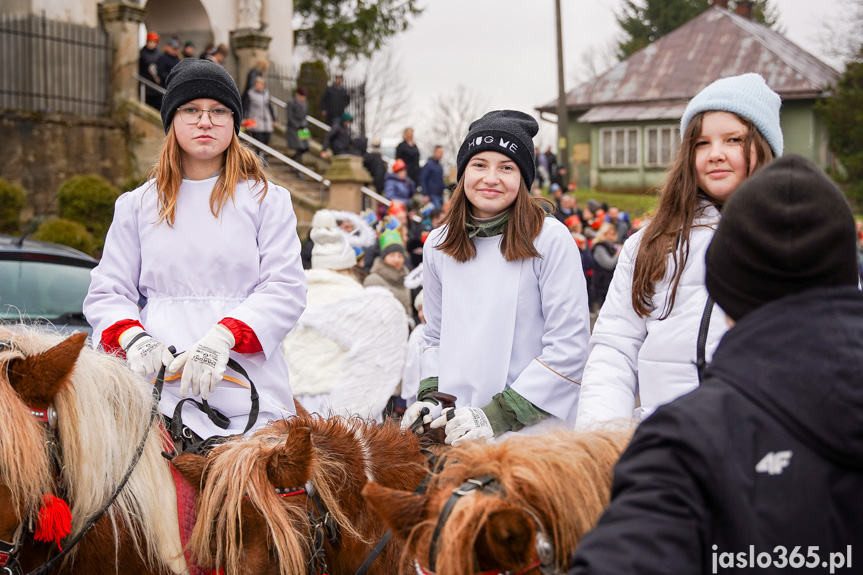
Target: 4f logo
(774, 463)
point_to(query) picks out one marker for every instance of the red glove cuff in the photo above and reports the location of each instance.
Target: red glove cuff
(111, 336)
(245, 340)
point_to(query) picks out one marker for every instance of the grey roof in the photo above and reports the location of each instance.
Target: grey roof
(654, 82)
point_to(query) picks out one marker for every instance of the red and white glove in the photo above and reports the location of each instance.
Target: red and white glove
(467, 424)
(145, 355)
(205, 362)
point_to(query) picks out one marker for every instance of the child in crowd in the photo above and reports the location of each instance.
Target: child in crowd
(656, 314)
(211, 250)
(388, 269)
(759, 467)
(504, 296)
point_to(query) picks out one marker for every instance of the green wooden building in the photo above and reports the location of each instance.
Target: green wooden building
(624, 125)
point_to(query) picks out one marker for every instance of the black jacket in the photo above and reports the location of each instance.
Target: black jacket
(411, 156)
(767, 452)
(334, 101)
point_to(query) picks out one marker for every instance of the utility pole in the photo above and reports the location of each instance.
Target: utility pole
(562, 140)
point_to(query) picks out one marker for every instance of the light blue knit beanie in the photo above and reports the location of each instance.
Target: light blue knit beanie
(746, 95)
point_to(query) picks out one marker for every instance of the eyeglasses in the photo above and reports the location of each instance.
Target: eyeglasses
(193, 114)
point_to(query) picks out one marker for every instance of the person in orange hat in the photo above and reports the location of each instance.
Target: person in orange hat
(397, 185)
(147, 69)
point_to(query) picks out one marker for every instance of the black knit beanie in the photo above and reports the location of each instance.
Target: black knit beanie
(192, 79)
(786, 229)
(506, 131)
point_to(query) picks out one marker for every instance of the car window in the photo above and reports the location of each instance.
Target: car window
(40, 289)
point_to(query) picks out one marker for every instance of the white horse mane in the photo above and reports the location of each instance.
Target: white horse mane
(102, 418)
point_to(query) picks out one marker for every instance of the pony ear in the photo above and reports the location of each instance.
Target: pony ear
(300, 410)
(38, 378)
(291, 464)
(400, 510)
(192, 467)
(507, 540)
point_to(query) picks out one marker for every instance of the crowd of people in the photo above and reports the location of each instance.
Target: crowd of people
(726, 331)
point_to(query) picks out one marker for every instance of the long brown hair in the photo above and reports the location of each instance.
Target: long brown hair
(524, 225)
(240, 163)
(679, 201)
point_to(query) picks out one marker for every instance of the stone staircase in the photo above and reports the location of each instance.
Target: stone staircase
(307, 195)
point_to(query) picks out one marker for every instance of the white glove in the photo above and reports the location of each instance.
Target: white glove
(204, 363)
(412, 412)
(468, 424)
(147, 355)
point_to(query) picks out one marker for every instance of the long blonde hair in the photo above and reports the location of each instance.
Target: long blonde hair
(240, 163)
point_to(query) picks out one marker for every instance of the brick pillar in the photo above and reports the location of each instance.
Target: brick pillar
(121, 21)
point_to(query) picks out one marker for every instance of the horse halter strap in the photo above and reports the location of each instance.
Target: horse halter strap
(469, 487)
(8, 554)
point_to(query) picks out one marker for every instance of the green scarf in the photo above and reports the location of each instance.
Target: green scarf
(487, 227)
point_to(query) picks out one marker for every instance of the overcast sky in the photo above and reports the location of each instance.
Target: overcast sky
(504, 50)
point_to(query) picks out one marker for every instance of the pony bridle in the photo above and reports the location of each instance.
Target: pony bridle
(487, 483)
(9, 564)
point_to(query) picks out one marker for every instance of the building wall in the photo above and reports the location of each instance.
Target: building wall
(803, 131)
(73, 11)
(40, 151)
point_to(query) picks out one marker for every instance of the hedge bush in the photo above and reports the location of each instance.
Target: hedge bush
(66, 232)
(13, 198)
(88, 200)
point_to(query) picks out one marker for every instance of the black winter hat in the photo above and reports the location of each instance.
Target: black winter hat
(506, 131)
(192, 79)
(786, 229)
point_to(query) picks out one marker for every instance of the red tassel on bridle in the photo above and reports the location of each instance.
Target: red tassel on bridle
(55, 520)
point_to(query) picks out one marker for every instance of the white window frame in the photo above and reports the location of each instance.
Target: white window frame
(613, 133)
(663, 158)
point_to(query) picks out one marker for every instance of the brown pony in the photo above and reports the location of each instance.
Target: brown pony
(103, 413)
(519, 506)
(260, 499)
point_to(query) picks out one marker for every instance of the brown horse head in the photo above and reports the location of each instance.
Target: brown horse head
(255, 496)
(541, 495)
(37, 378)
(31, 381)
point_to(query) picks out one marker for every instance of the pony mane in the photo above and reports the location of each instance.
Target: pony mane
(236, 472)
(562, 480)
(102, 417)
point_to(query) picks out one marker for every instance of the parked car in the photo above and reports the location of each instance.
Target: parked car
(43, 283)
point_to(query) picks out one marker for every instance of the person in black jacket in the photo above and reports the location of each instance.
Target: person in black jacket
(375, 164)
(338, 139)
(334, 101)
(408, 152)
(761, 467)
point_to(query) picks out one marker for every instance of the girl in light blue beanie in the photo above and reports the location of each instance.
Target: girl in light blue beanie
(657, 322)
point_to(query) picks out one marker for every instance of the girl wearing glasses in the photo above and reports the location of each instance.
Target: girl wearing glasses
(205, 257)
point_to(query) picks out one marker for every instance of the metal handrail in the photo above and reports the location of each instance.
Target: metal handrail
(309, 119)
(280, 156)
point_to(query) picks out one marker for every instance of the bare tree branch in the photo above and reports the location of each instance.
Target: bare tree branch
(451, 116)
(594, 61)
(387, 93)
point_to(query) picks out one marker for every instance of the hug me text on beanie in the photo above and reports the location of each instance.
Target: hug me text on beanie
(506, 131)
(746, 95)
(192, 79)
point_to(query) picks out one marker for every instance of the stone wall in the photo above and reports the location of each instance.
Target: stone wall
(39, 151)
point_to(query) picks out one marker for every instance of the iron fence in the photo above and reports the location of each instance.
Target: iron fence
(282, 86)
(53, 67)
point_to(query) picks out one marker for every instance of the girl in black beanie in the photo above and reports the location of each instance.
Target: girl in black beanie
(504, 296)
(210, 248)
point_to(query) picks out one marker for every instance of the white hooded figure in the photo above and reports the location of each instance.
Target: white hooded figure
(347, 351)
(416, 341)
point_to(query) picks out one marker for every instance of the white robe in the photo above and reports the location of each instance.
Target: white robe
(493, 324)
(245, 265)
(347, 352)
(649, 357)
